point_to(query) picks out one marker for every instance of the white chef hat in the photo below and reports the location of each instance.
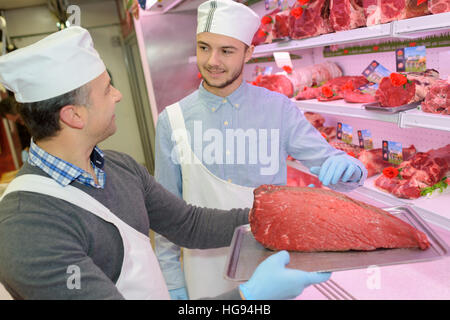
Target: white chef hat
(228, 18)
(57, 64)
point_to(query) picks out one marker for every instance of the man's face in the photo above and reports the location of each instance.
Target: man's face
(220, 59)
(101, 110)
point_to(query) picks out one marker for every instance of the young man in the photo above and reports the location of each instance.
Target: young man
(217, 144)
(74, 224)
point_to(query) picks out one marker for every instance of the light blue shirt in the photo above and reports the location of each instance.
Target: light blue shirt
(251, 109)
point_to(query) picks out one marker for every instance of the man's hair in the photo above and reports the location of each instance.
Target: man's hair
(8, 105)
(42, 117)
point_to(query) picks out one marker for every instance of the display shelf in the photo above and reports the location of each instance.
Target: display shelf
(433, 208)
(408, 28)
(424, 24)
(405, 119)
(418, 118)
(342, 108)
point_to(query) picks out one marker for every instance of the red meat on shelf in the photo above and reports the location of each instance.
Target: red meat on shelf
(310, 21)
(347, 14)
(276, 82)
(312, 219)
(438, 6)
(424, 170)
(373, 159)
(384, 11)
(437, 99)
(391, 93)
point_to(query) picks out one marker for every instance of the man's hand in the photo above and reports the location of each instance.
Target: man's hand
(337, 168)
(273, 281)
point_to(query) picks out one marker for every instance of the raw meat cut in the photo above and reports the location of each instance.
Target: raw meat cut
(297, 178)
(424, 170)
(348, 148)
(424, 81)
(437, 99)
(373, 159)
(337, 84)
(313, 219)
(308, 93)
(276, 82)
(281, 27)
(313, 21)
(265, 32)
(346, 14)
(384, 11)
(390, 95)
(438, 6)
(314, 75)
(357, 96)
(317, 121)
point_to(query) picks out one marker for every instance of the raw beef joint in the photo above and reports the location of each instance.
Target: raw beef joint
(383, 11)
(276, 82)
(346, 14)
(391, 95)
(313, 21)
(312, 219)
(424, 170)
(438, 6)
(437, 99)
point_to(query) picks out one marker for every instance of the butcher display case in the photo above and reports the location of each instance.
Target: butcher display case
(347, 49)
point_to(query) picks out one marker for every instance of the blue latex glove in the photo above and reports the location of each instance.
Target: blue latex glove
(179, 294)
(273, 281)
(337, 168)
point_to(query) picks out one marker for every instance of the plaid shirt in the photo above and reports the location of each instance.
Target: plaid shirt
(64, 172)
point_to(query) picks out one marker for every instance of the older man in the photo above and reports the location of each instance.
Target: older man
(228, 137)
(74, 224)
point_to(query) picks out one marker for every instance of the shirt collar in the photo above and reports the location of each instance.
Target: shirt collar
(64, 172)
(213, 102)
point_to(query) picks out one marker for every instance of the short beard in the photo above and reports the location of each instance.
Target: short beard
(228, 82)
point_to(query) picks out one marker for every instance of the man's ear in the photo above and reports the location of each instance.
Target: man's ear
(249, 53)
(73, 116)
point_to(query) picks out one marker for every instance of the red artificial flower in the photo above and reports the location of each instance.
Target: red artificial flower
(348, 86)
(390, 172)
(287, 69)
(199, 75)
(297, 12)
(266, 20)
(375, 48)
(345, 51)
(351, 154)
(327, 92)
(262, 33)
(302, 2)
(412, 44)
(324, 135)
(398, 79)
(419, 2)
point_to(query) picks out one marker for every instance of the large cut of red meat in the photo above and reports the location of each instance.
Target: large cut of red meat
(383, 11)
(390, 95)
(281, 27)
(356, 96)
(346, 14)
(423, 170)
(313, 22)
(308, 93)
(438, 6)
(276, 82)
(437, 99)
(373, 159)
(313, 219)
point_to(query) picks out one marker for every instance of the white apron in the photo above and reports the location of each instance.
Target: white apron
(140, 277)
(204, 269)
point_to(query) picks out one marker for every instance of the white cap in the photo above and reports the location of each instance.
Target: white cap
(59, 63)
(228, 18)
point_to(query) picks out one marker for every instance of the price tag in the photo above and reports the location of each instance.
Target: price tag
(282, 59)
(344, 132)
(411, 59)
(392, 152)
(365, 139)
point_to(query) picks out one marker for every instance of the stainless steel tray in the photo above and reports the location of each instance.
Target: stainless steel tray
(375, 106)
(246, 253)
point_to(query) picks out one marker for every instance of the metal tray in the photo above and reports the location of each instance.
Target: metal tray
(376, 106)
(246, 253)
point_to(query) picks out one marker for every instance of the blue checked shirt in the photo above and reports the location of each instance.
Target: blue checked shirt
(64, 172)
(248, 107)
